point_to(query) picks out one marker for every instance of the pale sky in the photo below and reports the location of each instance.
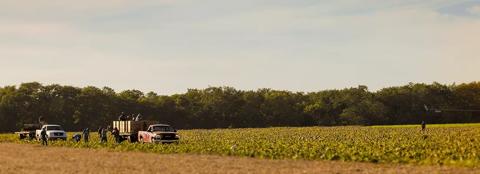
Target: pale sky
(168, 46)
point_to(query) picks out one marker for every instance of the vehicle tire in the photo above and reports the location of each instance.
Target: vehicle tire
(31, 136)
(133, 138)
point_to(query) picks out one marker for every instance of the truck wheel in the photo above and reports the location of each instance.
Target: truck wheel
(22, 136)
(31, 136)
(133, 138)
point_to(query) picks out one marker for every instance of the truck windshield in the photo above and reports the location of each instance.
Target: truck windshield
(54, 128)
(163, 128)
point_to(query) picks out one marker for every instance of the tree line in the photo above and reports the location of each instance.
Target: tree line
(226, 107)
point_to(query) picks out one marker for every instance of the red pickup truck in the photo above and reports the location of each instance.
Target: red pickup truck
(158, 133)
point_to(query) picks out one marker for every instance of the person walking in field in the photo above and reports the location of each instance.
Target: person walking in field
(103, 135)
(43, 135)
(86, 134)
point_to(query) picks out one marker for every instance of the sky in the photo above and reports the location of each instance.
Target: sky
(169, 46)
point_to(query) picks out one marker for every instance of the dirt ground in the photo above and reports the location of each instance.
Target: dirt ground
(22, 158)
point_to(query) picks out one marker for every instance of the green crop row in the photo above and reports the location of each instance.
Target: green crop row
(457, 146)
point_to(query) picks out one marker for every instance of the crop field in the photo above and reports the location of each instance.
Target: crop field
(453, 145)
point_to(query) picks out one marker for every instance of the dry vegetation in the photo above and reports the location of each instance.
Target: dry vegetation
(25, 158)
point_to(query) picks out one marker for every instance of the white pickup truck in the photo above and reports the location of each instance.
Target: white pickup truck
(158, 133)
(54, 132)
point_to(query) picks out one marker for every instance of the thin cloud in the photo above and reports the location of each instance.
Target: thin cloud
(475, 10)
(29, 29)
(170, 46)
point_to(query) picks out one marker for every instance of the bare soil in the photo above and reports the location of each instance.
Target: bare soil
(23, 158)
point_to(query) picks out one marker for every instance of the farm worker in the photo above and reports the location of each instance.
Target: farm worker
(99, 131)
(77, 137)
(43, 133)
(85, 133)
(104, 135)
(116, 134)
(138, 118)
(121, 117)
(424, 125)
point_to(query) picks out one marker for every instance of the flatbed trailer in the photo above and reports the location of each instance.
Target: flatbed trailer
(28, 131)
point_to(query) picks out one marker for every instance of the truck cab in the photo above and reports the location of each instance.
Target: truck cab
(54, 132)
(158, 133)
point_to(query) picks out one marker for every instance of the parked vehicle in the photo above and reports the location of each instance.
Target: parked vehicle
(54, 132)
(128, 130)
(28, 130)
(158, 133)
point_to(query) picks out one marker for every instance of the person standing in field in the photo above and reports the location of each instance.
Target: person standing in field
(43, 135)
(424, 125)
(86, 134)
(116, 134)
(99, 131)
(103, 135)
